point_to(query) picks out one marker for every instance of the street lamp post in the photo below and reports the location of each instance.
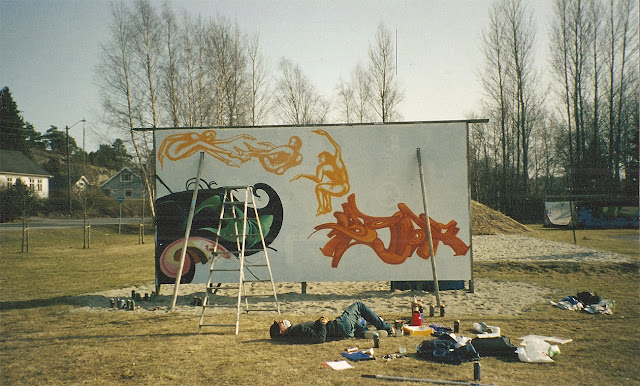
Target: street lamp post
(67, 128)
(84, 193)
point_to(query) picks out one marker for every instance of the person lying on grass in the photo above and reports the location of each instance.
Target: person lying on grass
(344, 326)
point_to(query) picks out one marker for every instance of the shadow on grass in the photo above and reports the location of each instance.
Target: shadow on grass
(91, 300)
(128, 336)
(163, 301)
(560, 267)
(36, 303)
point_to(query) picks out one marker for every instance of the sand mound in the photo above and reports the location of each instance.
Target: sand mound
(486, 221)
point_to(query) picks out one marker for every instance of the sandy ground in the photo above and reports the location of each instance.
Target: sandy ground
(330, 298)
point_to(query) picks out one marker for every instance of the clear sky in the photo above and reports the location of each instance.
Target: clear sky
(49, 50)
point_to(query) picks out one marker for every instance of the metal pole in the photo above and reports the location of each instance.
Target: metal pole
(436, 287)
(186, 233)
(84, 174)
(142, 220)
(572, 222)
(409, 379)
(68, 170)
(69, 160)
(472, 282)
(23, 234)
(120, 218)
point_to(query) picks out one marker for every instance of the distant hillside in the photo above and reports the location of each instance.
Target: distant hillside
(56, 164)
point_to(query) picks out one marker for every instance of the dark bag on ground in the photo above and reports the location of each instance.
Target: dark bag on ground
(500, 346)
(588, 298)
(445, 351)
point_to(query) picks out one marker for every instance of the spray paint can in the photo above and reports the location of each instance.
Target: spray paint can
(113, 303)
(432, 310)
(476, 371)
(376, 340)
(456, 326)
(442, 309)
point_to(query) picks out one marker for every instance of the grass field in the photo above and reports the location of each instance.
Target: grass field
(46, 339)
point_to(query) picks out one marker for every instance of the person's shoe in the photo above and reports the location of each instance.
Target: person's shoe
(381, 333)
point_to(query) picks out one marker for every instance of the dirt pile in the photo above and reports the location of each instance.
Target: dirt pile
(486, 221)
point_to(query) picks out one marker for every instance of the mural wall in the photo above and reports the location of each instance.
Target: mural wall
(336, 203)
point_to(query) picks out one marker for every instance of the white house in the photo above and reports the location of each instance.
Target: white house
(14, 165)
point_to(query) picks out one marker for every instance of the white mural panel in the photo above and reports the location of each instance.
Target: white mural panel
(340, 203)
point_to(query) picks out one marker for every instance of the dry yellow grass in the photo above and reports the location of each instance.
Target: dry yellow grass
(46, 339)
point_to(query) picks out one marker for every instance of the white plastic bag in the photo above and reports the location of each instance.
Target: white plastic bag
(535, 350)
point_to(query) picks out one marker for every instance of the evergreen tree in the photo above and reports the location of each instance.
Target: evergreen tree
(11, 123)
(15, 201)
(113, 156)
(34, 138)
(56, 141)
(16, 134)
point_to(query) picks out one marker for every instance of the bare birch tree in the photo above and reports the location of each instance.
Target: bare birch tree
(586, 46)
(147, 37)
(346, 100)
(171, 65)
(513, 104)
(261, 104)
(298, 101)
(627, 22)
(361, 94)
(354, 97)
(385, 88)
(520, 38)
(122, 101)
(494, 79)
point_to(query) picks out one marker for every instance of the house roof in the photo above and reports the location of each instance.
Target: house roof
(117, 174)
(16, 162)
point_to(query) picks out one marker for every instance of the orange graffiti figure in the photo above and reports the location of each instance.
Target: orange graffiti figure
(331, 176)
(180, 146)
(274, 159)
(353, 228)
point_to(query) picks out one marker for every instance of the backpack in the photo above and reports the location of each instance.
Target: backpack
(500, 346)
(588, 298)
(445, 351)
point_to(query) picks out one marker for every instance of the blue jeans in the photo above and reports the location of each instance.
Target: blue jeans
(353, 313)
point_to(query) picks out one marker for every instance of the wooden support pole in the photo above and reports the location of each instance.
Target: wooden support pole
(187, 231)
(434, 271)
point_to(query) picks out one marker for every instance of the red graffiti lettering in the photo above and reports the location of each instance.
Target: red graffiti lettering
(354, 227)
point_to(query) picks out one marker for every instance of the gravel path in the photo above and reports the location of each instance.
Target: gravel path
(530, 249)
(491, 297)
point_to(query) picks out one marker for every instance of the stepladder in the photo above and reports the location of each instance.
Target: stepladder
(245, 263)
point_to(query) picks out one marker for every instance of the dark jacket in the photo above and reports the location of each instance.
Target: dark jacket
(314, 332)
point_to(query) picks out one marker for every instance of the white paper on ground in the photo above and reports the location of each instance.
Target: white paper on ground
(338, 365)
